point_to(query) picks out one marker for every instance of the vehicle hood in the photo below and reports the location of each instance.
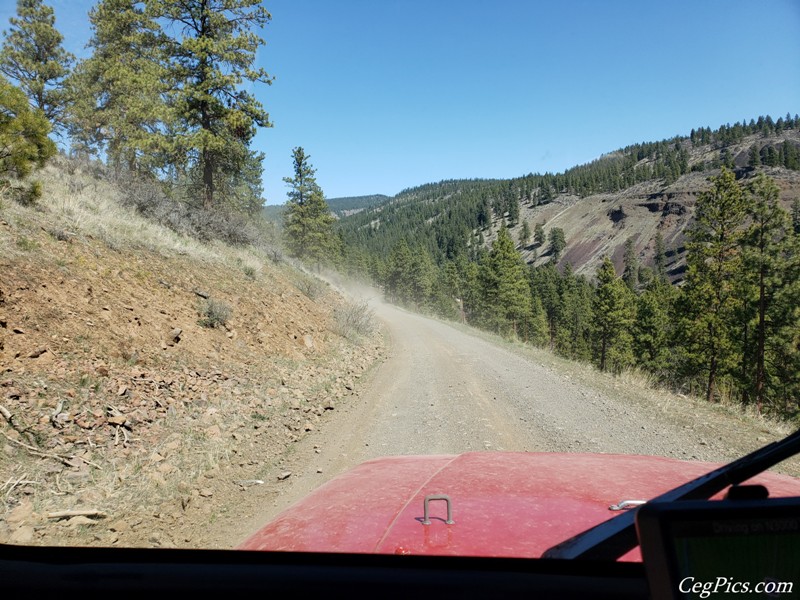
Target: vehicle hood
(504, 503)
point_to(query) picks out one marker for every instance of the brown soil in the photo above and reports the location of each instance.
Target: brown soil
(124, 406)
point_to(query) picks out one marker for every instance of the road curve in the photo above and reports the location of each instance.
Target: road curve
(445, 389)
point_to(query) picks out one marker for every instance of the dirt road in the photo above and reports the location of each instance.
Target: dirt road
(444, 389)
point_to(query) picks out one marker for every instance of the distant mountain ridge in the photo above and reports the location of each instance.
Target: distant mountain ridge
(341, 207)
(635, 192)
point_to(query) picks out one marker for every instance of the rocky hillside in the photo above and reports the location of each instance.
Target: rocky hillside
(633, 193)
(146, 378)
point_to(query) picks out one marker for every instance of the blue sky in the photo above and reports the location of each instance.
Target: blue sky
(388, 94)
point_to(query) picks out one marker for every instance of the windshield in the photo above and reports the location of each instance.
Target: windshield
(546, 255)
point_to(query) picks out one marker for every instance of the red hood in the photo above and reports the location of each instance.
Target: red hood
(504, 503)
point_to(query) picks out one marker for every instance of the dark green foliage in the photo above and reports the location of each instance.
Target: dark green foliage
(713, 262)
(505, 296)
(630, 274)
(308, 222)
(614, 311)
(33, 58)
(24, 145)
(766, 261)
(573, 316)
(209, 52)
(118, 90)
(524, 234)
(557, 243)
(653, 329)
(539, 236)
(351, 204)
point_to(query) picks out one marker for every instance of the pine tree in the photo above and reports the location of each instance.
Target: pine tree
(119, 106)
(764, 262)
(24, 144)
(524, 234)
(652, 330)
(400, 273)
(574, 316)
(539, 236)
(33, 58)
(308, 223)
(630, 274)
(660, 258)
(713, 262)
(613, 313)
(504, 289)
(557, 243)
(210, 50)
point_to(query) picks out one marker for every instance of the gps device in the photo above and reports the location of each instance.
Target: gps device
(721, 548)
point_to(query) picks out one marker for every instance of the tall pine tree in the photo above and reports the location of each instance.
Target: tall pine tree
(119, 91)
(308, 221)
(613, 311)
(210, 50)
(504, 288)
(766, 251)
(32, 57)
(713, 263)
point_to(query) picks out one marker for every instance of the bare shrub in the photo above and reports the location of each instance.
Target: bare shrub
(214, 313)
(353, 320)
(310, 287)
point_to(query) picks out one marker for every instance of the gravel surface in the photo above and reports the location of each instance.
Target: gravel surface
(446, 389)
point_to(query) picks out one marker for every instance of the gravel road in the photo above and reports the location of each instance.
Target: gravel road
(446, 389)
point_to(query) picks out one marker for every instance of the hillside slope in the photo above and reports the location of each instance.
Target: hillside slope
(634, 192)
(120, 398)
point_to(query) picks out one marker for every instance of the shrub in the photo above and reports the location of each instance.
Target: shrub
(215, 313)
(310, 287)
(353, 319)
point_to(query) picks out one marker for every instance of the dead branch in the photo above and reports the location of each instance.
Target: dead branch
(20, 481)
(68, 514)
(62, 459)
(22, 429)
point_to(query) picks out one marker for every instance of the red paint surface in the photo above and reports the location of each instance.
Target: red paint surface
(504, 504)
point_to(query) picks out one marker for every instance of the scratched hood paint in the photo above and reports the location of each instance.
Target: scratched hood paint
(504, 503)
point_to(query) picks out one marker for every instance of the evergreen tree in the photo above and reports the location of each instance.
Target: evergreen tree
(652, 330)
(630, 273)
(660, 257)
(119, 91)
(24, 144)
(539, 236)
(614, 311)
(557, 243)
(504, 288)
(308, 223)
(524, 234)
(545, 286)
(33, 58)
(754, 156)
(210, 50)
(574, 316)
(400, 273)
(765, 267)
(796, 216)
(713, 262)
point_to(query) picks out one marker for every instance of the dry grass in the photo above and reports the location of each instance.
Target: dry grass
(78, 204)
(167, 460)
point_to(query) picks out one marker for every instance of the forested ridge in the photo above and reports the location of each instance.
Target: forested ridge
(724, 324)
